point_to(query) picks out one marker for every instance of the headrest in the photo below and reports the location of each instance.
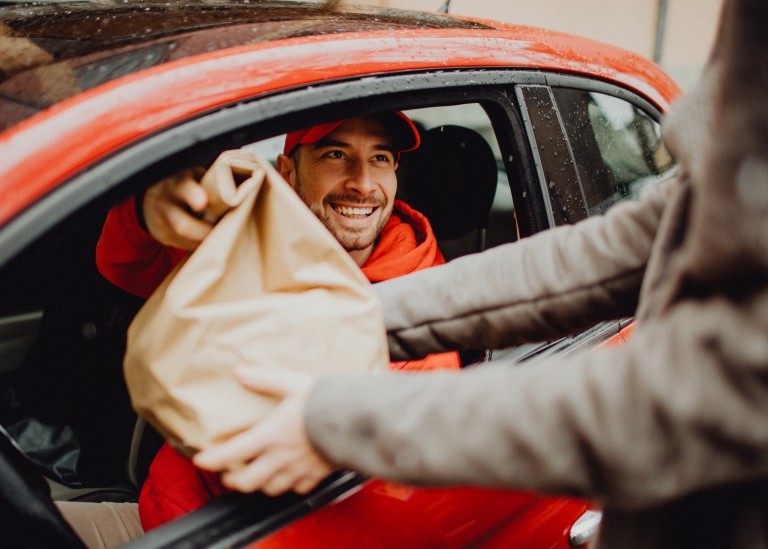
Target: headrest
(451, 179)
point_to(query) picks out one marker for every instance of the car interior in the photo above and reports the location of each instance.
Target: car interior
(451, 178)
(63, 401)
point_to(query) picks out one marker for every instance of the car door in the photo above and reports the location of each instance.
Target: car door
(72, 324)
(352, 508)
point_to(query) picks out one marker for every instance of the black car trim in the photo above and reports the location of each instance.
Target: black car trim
(235, 520)
(159, 154)
(166, 151)
(591, 337)
(600, 86)
(138, 158)
(546, 104)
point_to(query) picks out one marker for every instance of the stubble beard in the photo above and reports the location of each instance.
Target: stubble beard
(350, 239)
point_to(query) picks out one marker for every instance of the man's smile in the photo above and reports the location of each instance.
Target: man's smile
(353, 212)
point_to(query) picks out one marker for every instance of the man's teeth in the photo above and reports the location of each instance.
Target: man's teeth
(344, 210)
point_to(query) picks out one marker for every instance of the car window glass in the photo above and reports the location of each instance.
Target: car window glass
(594, 150)
(555, 159)
(617, 147)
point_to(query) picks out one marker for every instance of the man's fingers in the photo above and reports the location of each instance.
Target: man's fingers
(188, 191)
(172, 210)
(188, 230)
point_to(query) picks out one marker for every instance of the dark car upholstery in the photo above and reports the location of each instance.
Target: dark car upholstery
(451, 178)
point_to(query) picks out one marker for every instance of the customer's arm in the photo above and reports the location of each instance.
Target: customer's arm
(554, 283)
(680, 408)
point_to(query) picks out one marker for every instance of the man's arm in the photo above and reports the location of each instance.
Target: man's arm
(137, 256)
(552, 284)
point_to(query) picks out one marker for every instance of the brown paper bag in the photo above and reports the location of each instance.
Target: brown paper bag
(270, 287)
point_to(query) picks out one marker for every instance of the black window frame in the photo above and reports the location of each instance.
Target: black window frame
(201, 138)
(569, 180)
(87, 196)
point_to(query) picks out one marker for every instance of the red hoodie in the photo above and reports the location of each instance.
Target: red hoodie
(134, 261)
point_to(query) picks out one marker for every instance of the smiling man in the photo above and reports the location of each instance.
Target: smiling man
(345, 171)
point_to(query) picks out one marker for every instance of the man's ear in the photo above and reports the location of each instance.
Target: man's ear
(287, 168)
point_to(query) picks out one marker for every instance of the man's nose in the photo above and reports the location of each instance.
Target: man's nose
(361, 178)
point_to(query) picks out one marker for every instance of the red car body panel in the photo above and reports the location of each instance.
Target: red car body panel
(384, 515)
(100, 121)
(622, 337)
(43, 151)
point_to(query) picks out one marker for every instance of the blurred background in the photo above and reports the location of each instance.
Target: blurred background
(677, 34)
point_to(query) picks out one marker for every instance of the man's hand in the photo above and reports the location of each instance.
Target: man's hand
(173, 210)
(275, 454)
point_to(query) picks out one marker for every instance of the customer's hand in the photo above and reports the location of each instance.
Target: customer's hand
(275, 455)
(173, 210)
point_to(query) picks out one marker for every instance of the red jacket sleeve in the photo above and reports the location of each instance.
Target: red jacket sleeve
(129, 257)
(175, 487)
(438, 361)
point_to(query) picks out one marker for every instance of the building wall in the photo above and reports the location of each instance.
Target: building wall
(683, 47)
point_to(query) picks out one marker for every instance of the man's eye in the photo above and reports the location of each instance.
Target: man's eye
(383, 158)
(334, 154)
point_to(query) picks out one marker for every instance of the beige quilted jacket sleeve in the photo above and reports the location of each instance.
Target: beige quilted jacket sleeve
(629, 426)
(677, 410)
(551, 284)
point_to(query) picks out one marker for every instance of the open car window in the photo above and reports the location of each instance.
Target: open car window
(461, 176)
(62, 330)
(479, 178)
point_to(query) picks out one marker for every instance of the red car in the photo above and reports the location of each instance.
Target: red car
(525, 129)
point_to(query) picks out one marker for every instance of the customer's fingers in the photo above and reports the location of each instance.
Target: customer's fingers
(274, 472)
(277, 383)
(256, 474)
(241, 448)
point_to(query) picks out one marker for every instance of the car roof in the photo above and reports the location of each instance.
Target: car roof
(86, 78)
(61, 48)
(97, 41)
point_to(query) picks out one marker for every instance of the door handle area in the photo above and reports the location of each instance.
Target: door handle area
(585, 528)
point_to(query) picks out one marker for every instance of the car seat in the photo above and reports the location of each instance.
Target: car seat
(451, 178)
(145, 444)
(30, 518)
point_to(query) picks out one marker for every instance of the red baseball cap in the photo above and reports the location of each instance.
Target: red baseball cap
(405, 137)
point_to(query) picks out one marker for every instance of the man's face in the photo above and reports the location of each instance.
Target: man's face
(348, 181)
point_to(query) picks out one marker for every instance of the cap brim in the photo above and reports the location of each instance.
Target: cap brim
(402, 131)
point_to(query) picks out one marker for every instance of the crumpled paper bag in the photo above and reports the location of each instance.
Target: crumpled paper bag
(270, 287)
